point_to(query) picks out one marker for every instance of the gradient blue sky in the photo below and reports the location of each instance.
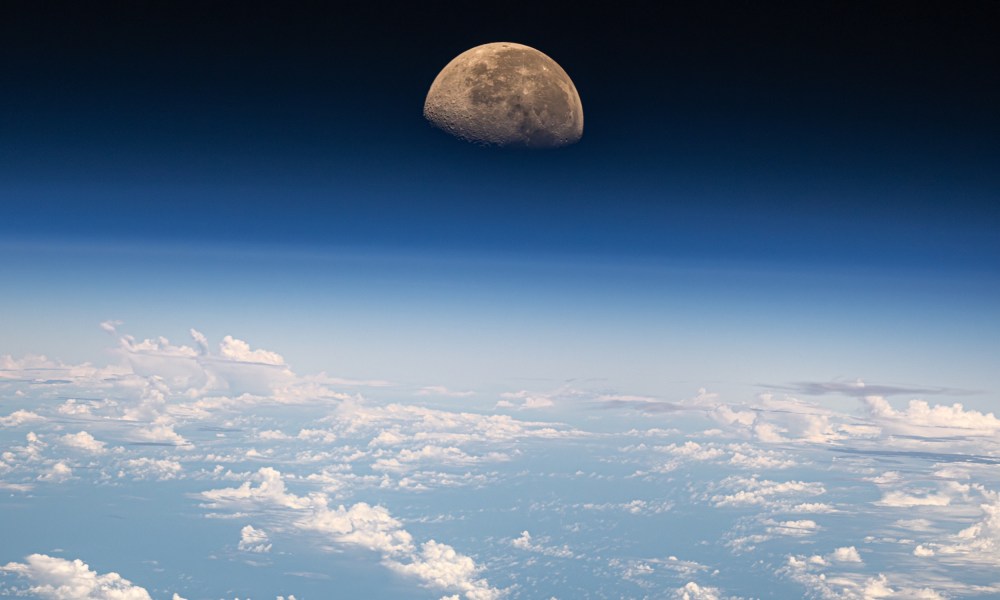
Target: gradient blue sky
(647, 348)
(766, 186)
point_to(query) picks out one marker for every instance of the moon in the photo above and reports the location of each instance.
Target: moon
(506, 94)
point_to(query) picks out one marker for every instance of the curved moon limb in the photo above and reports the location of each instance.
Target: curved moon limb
(506, 94)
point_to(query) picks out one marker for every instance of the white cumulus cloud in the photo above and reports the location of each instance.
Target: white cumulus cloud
(846, 554)
(61, 579)
(919, 417)
(238, 350)
(20, 417)
(978, 543)
(159, 433)
(161, 469)
(440, 566)
(898, 499)
(254, 540)
(58, 472)
(763, 492)
(693, 591)
(526, 543)
(83, 441)
(370, 527)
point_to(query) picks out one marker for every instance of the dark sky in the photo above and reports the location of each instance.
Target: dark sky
(832, 131)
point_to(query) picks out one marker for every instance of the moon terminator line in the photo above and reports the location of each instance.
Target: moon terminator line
(506, 94)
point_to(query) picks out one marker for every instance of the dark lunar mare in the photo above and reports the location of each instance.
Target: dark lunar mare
(506, 94)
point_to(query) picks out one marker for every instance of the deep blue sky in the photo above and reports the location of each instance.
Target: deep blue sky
(821, 133)
(762, 193)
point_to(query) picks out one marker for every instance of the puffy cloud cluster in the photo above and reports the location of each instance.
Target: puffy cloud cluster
(37, 369)
(772, 529)
(83, 441)
(440, 566)
(370, 527)
(528, 544)
(846, 554)
(60, 579)
(800, 528)
(901, 499)
(161, 431)
(404, 423)
(235, 368)
(57, 473)
(362, 525)
(407, 459)
(920, 418)
(978, 543)
(163, 395)
(809, 572)
(20, 417)
(763, 492)
(774, 420)
(239, 351)
(156, 387)
(270, 490)
(254, 540)
(693, 591)
(739, 455)
(787, 420)
(419, 448)
(160, 469)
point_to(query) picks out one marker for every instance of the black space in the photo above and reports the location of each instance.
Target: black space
(780, 106)
(645, 69)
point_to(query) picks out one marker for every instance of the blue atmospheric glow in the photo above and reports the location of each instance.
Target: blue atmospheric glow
(266, 334)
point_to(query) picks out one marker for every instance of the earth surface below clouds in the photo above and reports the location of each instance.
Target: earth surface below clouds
(204, 469)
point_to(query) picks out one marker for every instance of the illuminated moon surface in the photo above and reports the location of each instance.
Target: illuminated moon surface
(506, 94)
